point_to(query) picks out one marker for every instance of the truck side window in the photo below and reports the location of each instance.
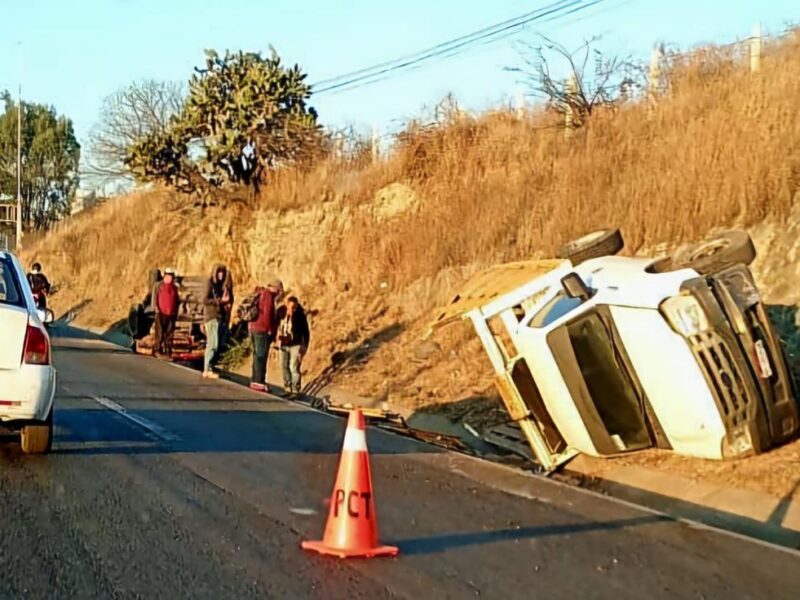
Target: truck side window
(559, 306)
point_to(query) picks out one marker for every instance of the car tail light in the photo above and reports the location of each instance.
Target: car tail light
(37, 347)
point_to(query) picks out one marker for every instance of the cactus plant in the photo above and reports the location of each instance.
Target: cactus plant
(244, 115)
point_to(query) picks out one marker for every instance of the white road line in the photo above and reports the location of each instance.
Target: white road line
(146, 424)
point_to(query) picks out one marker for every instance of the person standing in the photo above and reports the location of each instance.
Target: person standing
(166, 301)
(40, 286)
(226, 311)
(262, 333)
(294, 336)
(218, 299)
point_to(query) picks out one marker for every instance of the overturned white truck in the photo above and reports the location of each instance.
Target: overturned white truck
(604, 355)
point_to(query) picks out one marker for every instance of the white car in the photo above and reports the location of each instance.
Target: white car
(27, 375)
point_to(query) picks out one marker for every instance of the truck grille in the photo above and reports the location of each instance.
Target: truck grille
(723, 375)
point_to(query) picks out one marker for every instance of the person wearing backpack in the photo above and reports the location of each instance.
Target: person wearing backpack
(259, 311)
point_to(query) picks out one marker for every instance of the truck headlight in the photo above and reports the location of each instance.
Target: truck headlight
(685, 315)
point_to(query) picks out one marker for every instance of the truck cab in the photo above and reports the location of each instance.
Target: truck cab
(604, 355)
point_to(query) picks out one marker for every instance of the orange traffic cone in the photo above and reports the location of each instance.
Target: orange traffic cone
(352, 528)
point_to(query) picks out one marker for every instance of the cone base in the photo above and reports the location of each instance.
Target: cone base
(321, 548)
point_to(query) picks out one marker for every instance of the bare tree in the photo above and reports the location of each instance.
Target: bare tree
(126, 116)
(592, 80)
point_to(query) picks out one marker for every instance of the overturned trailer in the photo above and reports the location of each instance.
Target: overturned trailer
(605, 355)
(189, 341)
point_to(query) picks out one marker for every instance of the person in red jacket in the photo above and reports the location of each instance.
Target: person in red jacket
(166, 301)
(262, 333)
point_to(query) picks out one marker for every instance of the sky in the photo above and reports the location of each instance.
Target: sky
(73, 53)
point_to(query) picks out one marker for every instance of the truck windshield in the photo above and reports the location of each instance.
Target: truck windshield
(10, 291)
(608, 382)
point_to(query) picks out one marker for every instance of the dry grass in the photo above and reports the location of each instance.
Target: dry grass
(721, 148)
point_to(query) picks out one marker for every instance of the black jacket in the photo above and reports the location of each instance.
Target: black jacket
(215, 309)
(38, 283)
(300, 331)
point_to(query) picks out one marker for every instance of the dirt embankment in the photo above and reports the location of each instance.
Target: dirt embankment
(373, 248)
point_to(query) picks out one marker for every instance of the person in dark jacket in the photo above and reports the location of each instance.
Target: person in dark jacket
(40, 286)
(294, 336)
(166, 301)
(262, 333)
(218, 302)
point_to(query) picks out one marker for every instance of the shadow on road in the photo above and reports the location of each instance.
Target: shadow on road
(782, 508)
(96, 431)
(441, 543)
(95, 349)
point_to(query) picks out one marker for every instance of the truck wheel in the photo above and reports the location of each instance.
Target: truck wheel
(605, 242)
(717, 252)
(38, 439)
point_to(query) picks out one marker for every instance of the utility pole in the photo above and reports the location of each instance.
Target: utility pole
(19, 169)
(755, 48)
(654, 79)
(376, 150)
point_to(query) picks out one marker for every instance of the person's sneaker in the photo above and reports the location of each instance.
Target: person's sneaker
(259, 387)
(210, 375)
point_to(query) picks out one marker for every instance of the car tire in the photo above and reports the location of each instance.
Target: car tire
(716, 253)
(605, 242)
(38, 438)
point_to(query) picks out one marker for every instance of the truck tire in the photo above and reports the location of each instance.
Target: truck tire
(38, 439)
(605, 242)
(716, 253)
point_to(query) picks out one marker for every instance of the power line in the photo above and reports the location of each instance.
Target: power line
(443, 50)
(330, 80)
(452, 47)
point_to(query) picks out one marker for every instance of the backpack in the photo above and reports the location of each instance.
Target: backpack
(248, 309)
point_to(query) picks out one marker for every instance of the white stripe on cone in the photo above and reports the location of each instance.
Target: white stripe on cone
(355, 440)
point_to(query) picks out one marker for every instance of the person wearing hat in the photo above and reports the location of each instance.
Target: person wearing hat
(262, 332)
(165, 302)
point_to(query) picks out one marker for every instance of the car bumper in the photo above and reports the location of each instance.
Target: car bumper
(27, 394)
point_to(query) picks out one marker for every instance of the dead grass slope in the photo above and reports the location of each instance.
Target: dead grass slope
(372, 248)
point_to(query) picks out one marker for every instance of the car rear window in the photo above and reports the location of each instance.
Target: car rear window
(10, 290)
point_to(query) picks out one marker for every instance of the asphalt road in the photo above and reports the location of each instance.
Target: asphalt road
(205, 490)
